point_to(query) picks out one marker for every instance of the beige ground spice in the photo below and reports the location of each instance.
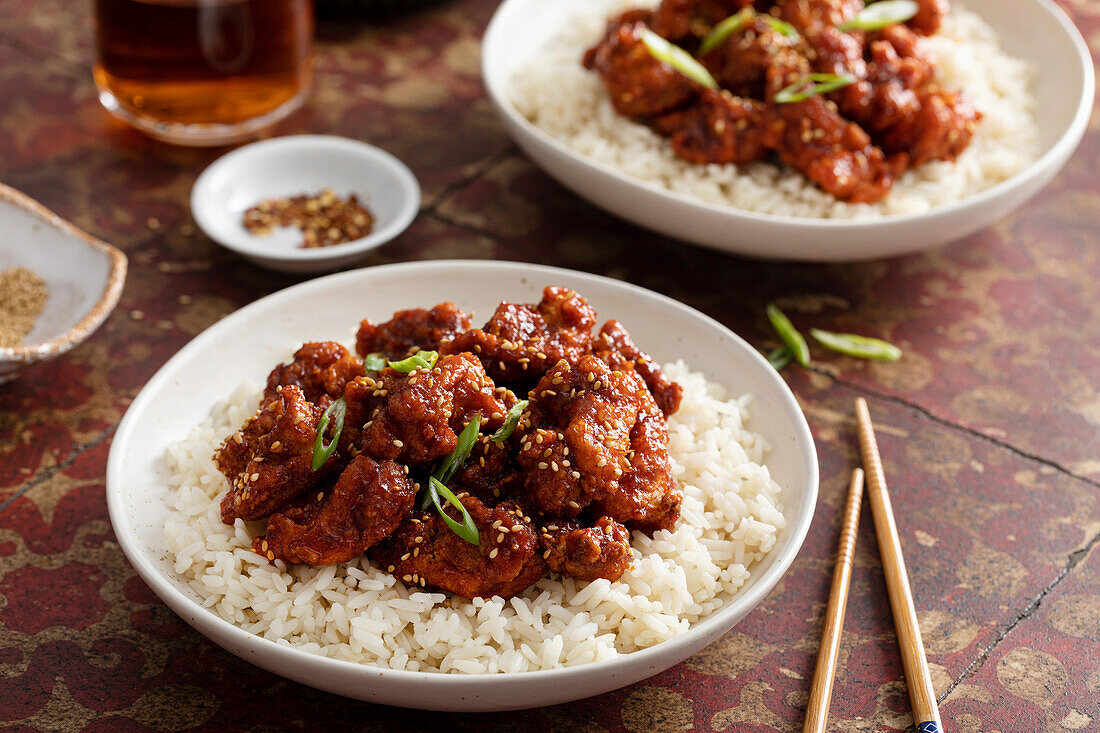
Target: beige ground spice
(22, 297)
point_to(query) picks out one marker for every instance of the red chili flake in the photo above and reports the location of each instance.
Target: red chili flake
(324, 219)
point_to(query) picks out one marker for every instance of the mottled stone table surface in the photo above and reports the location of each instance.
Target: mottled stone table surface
(989, 425)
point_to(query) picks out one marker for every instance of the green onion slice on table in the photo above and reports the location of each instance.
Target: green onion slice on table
(511, 420)
(375, 361)
(863, 347)
(800, 350)
(811, 85)
(725, 29)
(678, 59)
(334, 412)
(419, 360)
(467, 530)
(877, 16)
(779, 358)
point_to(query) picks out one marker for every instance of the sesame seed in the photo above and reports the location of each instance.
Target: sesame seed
(493, 553)
(398, 443)
(255, 477)
(542, 465)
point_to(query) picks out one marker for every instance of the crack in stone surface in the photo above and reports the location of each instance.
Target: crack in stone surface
(1073, 559)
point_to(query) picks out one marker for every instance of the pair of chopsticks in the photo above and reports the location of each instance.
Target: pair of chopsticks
(922, 697)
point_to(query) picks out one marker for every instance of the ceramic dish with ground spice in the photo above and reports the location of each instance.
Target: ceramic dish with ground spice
(57, 283)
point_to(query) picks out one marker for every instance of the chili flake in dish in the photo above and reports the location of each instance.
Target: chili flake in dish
(325, 219)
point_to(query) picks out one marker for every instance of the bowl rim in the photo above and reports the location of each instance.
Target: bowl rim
(743, 604)
(108, 299)
(369, 155)
(496, 87)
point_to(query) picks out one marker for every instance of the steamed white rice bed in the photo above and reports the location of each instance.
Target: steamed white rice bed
(732, 511)
(571, 104)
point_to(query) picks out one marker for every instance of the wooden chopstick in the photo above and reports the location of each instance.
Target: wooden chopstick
(922, 697)
(817, 712)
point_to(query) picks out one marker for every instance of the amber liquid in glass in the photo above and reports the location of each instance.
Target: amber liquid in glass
(203, 71)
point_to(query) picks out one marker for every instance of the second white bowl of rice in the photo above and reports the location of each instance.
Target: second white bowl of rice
(1022, 63)
(741, 451)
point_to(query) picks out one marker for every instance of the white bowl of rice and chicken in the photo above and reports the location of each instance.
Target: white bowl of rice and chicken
(802, 129)
(463, 513)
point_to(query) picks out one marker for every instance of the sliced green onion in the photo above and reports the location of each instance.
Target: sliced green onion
(322, 452)
(800, 350)
(880, 15)
(781, 27)
(419, 360)
(863, 347)
(511, 420)
(725, 29)
(467, 530)
(779, 358)
(678, 59)
(449, 466)
(375, 361)
(811, 85)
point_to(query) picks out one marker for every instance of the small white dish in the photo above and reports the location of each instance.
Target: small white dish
(83, 277)
(246, 344)
(295, 165)
(1036, 31)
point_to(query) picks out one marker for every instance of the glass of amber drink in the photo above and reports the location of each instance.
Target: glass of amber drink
(203, 72)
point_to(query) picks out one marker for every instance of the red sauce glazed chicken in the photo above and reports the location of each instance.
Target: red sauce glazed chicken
(472, 460)
(845, 97)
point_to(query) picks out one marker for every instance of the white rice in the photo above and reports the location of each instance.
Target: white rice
(571, 104)
(732, 511)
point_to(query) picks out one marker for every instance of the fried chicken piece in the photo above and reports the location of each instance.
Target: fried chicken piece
(929, 17)
(424, 551)
(812, 137)
(596, 435)
(415, 418)
(520, 342)
(740, 63)
(269, 461)
(683, 20)
(319, 368)
(617, 349)
(719, 128)
(411, 329)
(647, 498)
(490, 473)
(587, 553)
(940, 130)
(810, 17)
(368, 502)
(640, 85)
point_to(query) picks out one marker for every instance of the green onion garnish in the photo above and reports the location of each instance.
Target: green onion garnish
(779, 358)
(800, 350)
(511, 420)
(863, 347)
(811, 85)
(880, 15)
(467, 530)
(322, 452)
(449, 466)
(375, 361)
(781, 27)
(678, 59)
(725, 29)
(419, 360)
